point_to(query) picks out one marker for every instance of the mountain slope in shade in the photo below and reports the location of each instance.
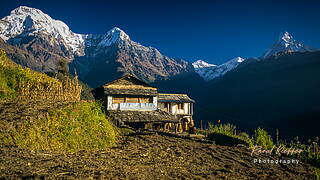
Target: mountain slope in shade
(286, 43)
(210, 71)
(280, 92)
(93, 56)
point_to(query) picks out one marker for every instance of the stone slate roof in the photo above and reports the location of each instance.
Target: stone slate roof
(142, 116)
(174, 98)
(129, 85)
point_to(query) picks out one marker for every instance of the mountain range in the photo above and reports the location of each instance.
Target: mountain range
(285, 44)
(42, 41)
(210, 71)
(93, 56)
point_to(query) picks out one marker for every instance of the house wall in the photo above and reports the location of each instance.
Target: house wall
(186, 108)
(131, 106)
(174, 108)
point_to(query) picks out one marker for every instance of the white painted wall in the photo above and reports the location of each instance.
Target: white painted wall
(139, 106)
(109, 103)
(186, 108)
(174, 108)
(155, 101)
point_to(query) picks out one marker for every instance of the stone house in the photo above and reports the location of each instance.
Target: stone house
(130, 101)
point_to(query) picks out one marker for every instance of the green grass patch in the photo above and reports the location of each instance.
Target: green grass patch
(79, 126)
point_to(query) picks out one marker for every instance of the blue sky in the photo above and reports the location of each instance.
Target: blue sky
(214, 31)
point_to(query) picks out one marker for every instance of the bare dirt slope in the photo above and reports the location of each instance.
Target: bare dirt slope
(147, 156)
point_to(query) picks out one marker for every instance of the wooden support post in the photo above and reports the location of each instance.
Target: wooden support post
(175, 127)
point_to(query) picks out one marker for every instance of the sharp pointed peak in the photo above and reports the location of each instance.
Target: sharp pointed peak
(118, 33)
(113, 36)
(116, 29)
(285, 36)
(286, 44)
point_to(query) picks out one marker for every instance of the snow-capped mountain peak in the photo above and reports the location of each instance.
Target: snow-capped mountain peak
(113, 36)
(286, 37)
(26, 21)
(238, 59)
(286, 43)
(201, 64)
(212, 71)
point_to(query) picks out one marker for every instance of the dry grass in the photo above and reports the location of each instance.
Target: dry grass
(16, 81)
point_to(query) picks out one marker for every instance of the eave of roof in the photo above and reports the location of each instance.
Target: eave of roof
(145, 92)
(174, 98)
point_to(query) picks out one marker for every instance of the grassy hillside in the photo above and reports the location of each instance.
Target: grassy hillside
(18, 81)
(31, 120)
(59, 126)
(12, 74)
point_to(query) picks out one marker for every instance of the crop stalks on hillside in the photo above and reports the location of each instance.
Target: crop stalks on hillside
(50, 90)
(23, 83)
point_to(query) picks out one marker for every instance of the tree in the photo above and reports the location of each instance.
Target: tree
(63, 66)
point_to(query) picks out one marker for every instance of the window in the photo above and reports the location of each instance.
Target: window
(180, 105)
(117, 100)
(167, 106)
(132, 100)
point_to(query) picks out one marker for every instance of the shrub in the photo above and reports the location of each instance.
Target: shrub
(310, 153)
(226, 140)
(79, 126)
(317, 173)
(225, 134)
(262, 138)
(245, 137)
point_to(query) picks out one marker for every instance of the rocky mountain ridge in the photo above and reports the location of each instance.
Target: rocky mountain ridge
(50, 40)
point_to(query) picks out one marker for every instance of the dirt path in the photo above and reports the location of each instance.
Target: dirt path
(148, 156)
